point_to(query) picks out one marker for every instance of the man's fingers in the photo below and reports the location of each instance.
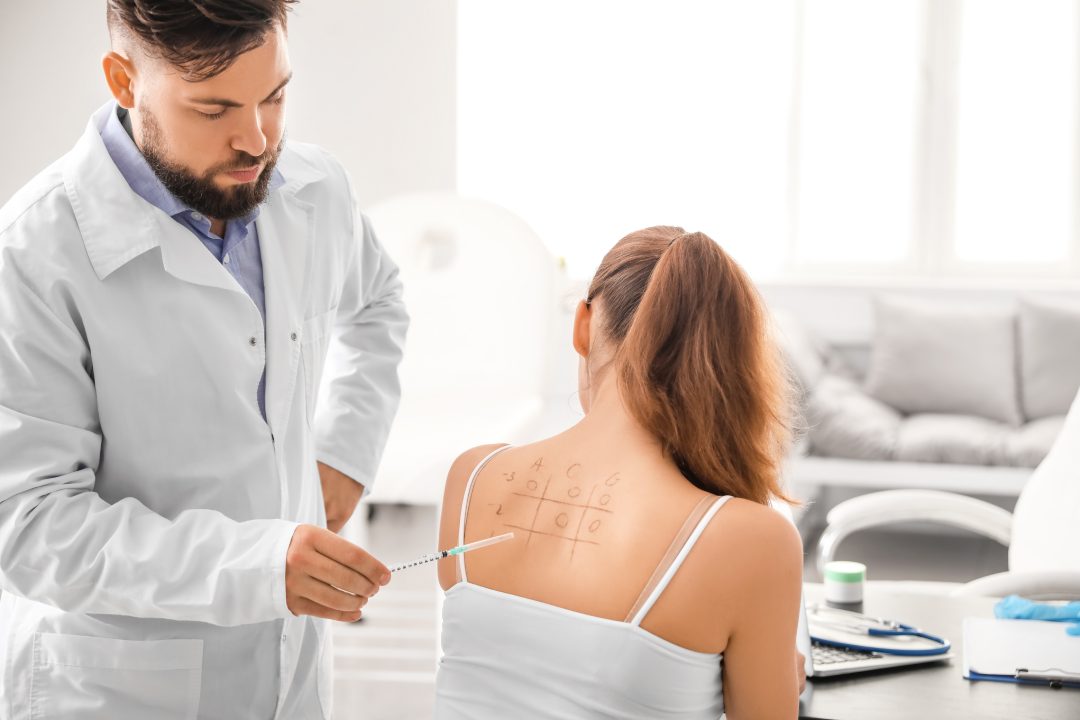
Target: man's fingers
(304, 606)
(334, 573)
(327, 596)
(344, 552)
(327, 576)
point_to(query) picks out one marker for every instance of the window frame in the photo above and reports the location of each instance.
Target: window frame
(931, 252)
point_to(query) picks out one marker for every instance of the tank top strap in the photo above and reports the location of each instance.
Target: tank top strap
(465, 506)
(680, 547)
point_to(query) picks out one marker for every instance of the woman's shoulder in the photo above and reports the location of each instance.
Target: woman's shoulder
(453, 495)
(762, 522)
(755, 530)
(466, 462)
(747, 551)
(755, 544)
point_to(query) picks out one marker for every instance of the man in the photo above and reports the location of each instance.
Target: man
(169, 291)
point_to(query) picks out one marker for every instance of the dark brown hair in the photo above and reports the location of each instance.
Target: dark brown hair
(200, 37)
(695, 362)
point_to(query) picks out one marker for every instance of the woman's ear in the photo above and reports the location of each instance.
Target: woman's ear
(582, 331)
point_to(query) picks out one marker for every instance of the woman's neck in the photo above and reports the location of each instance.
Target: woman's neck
(609, 420)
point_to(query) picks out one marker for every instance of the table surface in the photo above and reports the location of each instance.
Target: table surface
(936, 690)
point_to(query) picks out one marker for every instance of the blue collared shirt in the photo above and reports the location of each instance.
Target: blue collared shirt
(238, 251)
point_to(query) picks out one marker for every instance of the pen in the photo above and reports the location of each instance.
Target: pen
(1054, 677)
(452, 551)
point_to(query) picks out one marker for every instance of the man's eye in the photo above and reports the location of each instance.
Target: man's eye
(211, 116)
(277, 99)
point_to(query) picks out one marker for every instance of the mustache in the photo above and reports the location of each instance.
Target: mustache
(245, 161)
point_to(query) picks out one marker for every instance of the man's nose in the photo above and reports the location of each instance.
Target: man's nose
(250, 137)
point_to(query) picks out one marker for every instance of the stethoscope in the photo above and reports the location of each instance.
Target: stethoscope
(858, 623)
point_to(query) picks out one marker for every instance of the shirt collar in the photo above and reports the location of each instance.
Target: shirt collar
(117, 225)
(141, 177)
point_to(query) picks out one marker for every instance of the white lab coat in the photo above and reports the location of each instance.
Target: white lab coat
(145, 505)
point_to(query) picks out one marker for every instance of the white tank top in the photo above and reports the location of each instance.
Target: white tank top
(506, 656)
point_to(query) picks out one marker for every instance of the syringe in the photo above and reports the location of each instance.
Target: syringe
(453, 551)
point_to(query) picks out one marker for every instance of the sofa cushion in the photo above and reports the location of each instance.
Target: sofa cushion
(843, 421)
(954, 360)
(957, 439)
(1049, 357)
(1028, 445)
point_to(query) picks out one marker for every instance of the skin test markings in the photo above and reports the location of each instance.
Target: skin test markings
(564, 502)
(541, 532)
(577, 532)
(532, 529)
(562, 519)
(508, 477)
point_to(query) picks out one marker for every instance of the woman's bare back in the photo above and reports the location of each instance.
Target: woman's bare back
(593, 522)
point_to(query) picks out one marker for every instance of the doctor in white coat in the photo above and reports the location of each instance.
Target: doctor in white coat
(169, 291)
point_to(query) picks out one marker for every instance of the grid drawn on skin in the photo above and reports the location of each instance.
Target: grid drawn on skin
(581, 521)
(585, 508)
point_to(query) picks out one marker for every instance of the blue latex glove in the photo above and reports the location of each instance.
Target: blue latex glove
(1018, 608)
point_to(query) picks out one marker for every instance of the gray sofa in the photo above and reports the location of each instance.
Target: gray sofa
(947, 388)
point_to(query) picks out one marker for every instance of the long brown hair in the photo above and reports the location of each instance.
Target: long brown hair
(696, 366)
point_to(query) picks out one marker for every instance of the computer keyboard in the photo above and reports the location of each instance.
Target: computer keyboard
(826, 654)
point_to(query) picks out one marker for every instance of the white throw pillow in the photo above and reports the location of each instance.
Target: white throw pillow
(1049, 357)
(932, 358)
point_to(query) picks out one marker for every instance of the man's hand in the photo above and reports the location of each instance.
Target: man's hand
(800, 670)
(329, 577)
(340, 494)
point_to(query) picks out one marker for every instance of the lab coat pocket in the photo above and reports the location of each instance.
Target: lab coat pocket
(82, 678)
(315, 339)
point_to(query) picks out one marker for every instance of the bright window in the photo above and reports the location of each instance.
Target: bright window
(806, 136)
(593, 119)
(858, 114)
(1016, 131)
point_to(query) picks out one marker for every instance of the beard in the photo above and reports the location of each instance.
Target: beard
(199, 192)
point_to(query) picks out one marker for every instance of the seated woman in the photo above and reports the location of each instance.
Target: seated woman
(647, 577)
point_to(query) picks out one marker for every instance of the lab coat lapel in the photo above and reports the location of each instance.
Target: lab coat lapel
(186, 258)
(117, 225)
(286, 226)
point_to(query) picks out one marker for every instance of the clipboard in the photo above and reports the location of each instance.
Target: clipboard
(1028, 652)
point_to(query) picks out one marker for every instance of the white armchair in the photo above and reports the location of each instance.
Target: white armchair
(1042, 533)
(482, 292)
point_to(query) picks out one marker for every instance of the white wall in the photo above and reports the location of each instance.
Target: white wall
(375, 84)
(50, 82)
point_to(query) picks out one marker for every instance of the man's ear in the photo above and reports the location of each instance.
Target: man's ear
(582, 329)
(120, 76)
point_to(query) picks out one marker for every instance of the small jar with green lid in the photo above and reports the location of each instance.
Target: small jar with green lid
(844, 581)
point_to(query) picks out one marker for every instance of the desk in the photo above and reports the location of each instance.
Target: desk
(928, 692)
